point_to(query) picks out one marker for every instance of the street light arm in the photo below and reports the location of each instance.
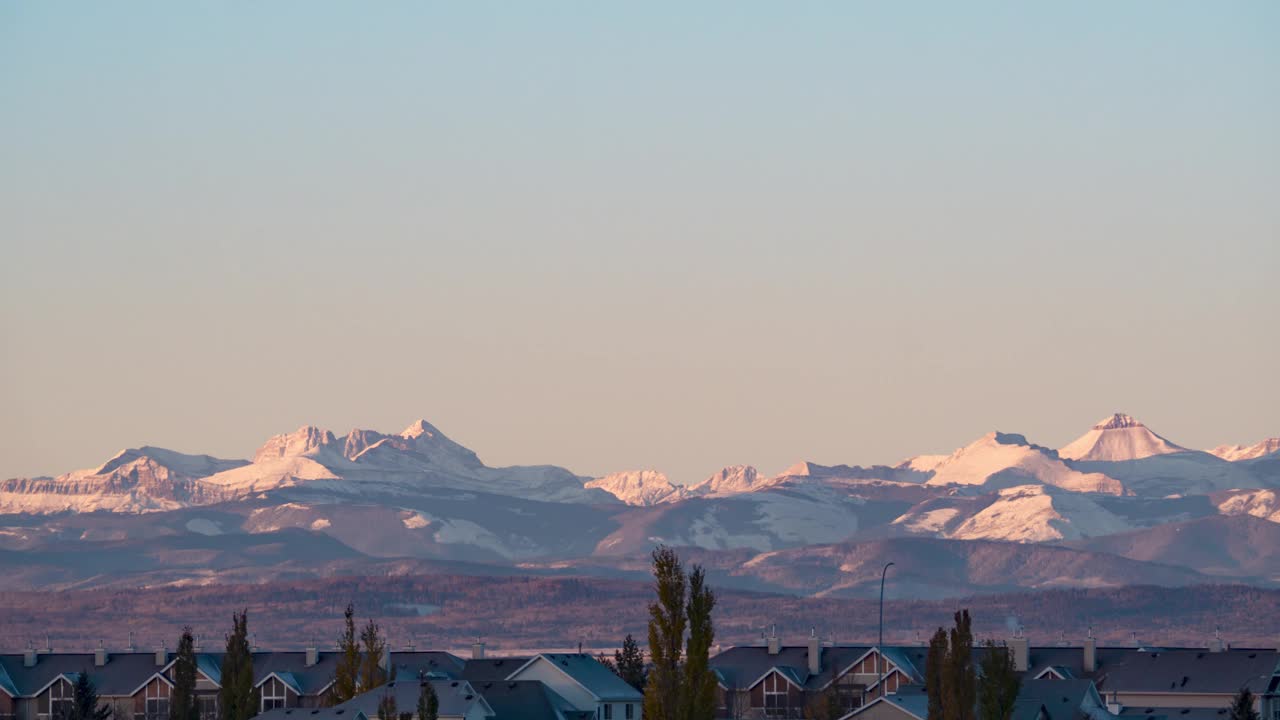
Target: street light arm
(880, 647)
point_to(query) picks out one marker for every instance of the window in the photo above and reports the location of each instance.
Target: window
(58, 701)
(157, 700)
(208, 705)
(775, 696)
(1275, 708)
(608, 711)
(274, 694)
(631, 711)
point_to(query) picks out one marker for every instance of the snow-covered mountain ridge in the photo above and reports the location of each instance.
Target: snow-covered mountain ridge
(418, 491)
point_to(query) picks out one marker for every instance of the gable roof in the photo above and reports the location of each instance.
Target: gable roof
(120, 677)
(524, 700)
(914, 704)
(6, 683)
(588, 673)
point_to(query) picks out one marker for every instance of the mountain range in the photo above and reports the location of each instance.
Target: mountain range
(1120, 504)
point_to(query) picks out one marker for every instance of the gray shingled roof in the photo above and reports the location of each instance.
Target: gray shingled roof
(457, 697)
(595, 677)
(740, 667)
(1190, 671)
(491, 669)
(414, 665)
(1062, 699)
(523, 700)
(311, 714)
(121, 676)
(1174, 713)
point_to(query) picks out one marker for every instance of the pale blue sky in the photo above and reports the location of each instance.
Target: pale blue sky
(664, 235)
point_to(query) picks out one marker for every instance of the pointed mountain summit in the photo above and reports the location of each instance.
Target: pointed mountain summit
(1118, 438)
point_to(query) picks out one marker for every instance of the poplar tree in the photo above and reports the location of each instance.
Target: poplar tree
(238, 699)
(667, 622)
(347, 672)
(958, 678)
(182, 698)
(373, 645)
(934, 669)
(700, 683)
(998, 689)
(629, 662)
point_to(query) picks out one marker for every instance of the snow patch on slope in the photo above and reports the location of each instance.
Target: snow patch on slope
(1034, 513)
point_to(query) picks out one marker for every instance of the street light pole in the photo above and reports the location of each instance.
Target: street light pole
(880, 647)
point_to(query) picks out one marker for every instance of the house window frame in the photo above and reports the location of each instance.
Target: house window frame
(269, 694)
(155, 700)
(776, 687)
(60, 693)
(608, 711)
(630, 711)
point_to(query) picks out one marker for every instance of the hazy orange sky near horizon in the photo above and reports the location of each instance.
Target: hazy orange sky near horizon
(614, 238)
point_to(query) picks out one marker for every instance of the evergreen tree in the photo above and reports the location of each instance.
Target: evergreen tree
(347, 672)
(373, 645)
(428, 703)
(182, 698)
(700, 683)
(998, 688)
(238, 699)
(1242, 706)
(84, 703)
(934, 669)
(605, 661)
(667, 621)
(958, 678)
(629, 662)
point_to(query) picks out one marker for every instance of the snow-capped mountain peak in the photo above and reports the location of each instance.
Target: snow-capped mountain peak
(420, 428)
(305, 440)
(1235, 453)
(733, 480)
(1118, 438)
(1003, 459)
(640, 487)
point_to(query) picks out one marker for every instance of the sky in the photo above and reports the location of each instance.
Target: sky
(661, 235)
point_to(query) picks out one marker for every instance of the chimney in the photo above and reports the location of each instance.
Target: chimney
(197, 647)
(313, 656)
(29, 656)
(100, 655)
(384, 662)
(1090, 660)
(815, 652)
(162, 656)
(775, 645)
(1021, 650)
(477, 650)
(1217, 645)
(130, 648)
